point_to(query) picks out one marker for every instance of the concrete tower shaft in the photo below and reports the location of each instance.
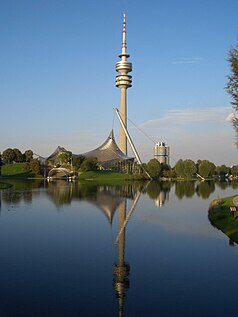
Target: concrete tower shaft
(123, 81)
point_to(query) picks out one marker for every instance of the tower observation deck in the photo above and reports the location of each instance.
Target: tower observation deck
(123, 81)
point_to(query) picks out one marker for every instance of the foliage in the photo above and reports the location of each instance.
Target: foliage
(234, 170)
(189, 168)
(206, 168)
(179, 168)
(222, 170)
(89, 164)
(185, 168)
(77, 161)
(19, 157)
(166, 171)
(35, 166)
(153, 167)
(232, 85)
(8, 156)
(28, 155)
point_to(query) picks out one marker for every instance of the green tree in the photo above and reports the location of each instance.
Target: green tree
(8, 156)
(77, 161)
(89, 164)
(234, 170)
(232, 85)
(19, 157)
(153, 167)
(179, 168)
(206, 168)
(28, 155)
(166, 170)
(189, 168)
(222, 170)
(35, 166)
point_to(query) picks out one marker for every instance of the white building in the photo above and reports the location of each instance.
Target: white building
(161, 152)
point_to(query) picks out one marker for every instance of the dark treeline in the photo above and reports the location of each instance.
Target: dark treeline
(186, 169)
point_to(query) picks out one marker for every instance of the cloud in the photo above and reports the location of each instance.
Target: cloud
(187, 60)
(181, 116)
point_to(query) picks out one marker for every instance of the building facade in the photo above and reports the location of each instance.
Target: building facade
(161, 152)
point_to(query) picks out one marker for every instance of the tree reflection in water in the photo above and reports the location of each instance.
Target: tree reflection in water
(63, 192)
(110, 199)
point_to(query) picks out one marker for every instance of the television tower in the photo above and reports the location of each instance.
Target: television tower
(123, 81)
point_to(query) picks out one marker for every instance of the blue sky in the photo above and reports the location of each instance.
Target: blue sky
(57, 75)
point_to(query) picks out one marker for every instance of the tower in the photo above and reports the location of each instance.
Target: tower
(123, 81)
(161, 152)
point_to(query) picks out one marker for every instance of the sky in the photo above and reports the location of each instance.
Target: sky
(57, 75)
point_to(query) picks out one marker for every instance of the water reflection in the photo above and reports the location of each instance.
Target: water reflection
(117, 203)
(64, 193)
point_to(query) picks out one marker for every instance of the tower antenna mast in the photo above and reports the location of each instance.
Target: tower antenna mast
(123, 81)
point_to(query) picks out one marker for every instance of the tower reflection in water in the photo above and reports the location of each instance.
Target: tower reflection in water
(108, 199)
(121, 268)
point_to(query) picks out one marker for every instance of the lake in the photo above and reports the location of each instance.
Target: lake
(140, 249)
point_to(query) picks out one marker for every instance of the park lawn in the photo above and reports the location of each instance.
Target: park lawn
(219, 215)
(104, 176)
(17, 170)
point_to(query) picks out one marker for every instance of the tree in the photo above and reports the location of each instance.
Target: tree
(153, 167)
(77, 161)
(89, 164)
(8, 156)
(19, 157)
(206, 168)
(222, 170)
(179, 168)
(232, 85)
(166, 170)
(28, 155)
(35, 166)
(189, 168)
(234, 170)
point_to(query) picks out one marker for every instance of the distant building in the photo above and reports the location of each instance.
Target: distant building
(161, 152)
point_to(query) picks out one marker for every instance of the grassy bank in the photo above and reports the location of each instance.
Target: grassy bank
(221, 218)
(17, 170)
(104, 176)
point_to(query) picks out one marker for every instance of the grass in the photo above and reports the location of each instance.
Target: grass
(17, 170)
(219, 216)
(104, 176)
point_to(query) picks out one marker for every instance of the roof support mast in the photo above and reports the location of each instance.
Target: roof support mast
(131, 143)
